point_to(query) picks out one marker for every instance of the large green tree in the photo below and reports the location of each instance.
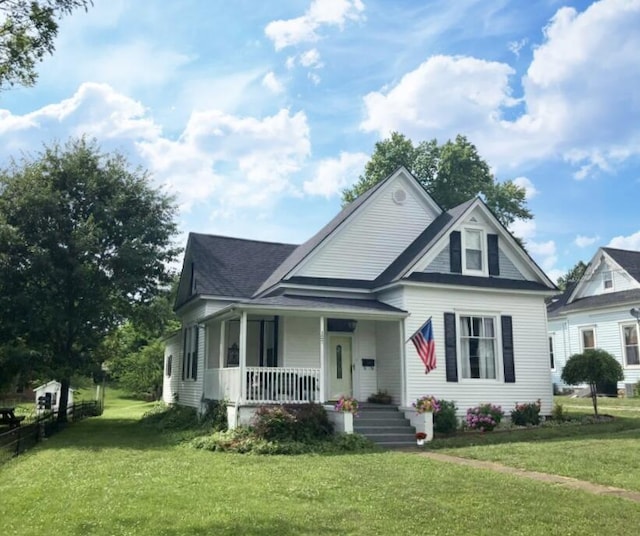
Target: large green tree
(452, 173)
(84, 240)
(28, 29)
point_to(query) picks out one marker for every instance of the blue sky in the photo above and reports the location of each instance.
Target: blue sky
(257, 114)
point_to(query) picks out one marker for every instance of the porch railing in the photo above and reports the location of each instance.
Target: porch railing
(282, 384)
(264, 385)
(222, 384)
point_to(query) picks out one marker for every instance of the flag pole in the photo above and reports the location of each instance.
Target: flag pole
(416, 331)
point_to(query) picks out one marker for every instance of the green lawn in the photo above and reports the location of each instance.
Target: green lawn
(603, 453)
(110, 476)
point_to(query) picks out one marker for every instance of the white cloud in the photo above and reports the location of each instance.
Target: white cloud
(585, 241)
(285, 33)
(544, 253)
(311, 58)
(529, 189)
(516, 46)
(221, 159)
(631, 242)
(271, 82)
(334, 174)
(314, 78)
(524, 229)
(579, 95)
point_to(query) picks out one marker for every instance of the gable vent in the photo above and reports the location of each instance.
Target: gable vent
(399, 196)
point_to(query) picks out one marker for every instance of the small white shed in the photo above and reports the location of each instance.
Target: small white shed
(48, 396)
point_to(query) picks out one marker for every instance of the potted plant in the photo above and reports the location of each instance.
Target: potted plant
(426, 403)
(420, 437)
(347, 404)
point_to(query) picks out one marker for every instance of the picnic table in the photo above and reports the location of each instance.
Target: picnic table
(7, 416)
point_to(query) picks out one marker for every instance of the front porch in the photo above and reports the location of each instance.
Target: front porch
(254, 357)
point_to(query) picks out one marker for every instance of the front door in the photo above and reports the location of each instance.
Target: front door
(339, 367)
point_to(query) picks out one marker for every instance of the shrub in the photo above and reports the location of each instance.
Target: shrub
(558, 414)
(215, 415)
(171, 418)
(381, 397)
(304, 422)
(484, 417)
(527, 414)
(445, 420)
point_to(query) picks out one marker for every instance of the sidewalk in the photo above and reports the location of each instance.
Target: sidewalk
(589, 487)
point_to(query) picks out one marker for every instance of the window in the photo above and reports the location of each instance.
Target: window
(588, 338)
(473, 250)
(190, 353)
(552, 359)
(607, 280)
(478, 348)
(169, 364)
(630, 341)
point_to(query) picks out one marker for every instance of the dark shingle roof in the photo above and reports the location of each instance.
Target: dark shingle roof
(610, 299)
(316, 302)
(233, 267)
(629, 260)
(304, 249)
(559, 301)
(473, 281)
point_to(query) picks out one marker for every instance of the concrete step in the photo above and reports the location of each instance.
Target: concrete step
(366, 430)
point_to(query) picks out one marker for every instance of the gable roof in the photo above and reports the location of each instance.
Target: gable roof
(610, 299)
(226, 266)
(628, 260)
(304, 250)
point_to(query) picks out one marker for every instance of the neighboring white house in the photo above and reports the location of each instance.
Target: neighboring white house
(268, 322)
(51, 391)
(594, 312)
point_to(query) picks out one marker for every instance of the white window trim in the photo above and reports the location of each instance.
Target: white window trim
(484, 271)
(552, 350)
(189, 334)
(499, 357)
(595, 337)
(623, 345)
(602, 277)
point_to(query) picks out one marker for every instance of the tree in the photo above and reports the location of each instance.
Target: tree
(593, 366)
(452, 173)
(27, 32)
(84, 240)
(572, 276)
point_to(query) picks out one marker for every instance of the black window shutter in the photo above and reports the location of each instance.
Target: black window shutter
(194, 354)
(184, 353)
(507, 349)
(450, 357)
(494, 258)
(455, 252)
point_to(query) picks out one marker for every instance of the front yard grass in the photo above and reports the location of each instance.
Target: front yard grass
(604, 453)
(109, 475)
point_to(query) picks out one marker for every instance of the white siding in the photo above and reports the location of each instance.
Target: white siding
(364, 380)
(376, 235)
(301, 342)
(170, 384)
(533, 378)
(388, 359)
(595, 287)
(190, 391)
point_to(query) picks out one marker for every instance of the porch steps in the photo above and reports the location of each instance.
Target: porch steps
(384, 425)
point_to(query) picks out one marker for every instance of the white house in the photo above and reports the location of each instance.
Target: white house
(51, 391)
(594, 312)
(267, 322)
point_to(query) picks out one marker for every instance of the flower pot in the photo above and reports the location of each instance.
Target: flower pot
(420, 442)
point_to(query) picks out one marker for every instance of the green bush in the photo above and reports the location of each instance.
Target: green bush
(558, 414)
(445, 420)
(304, 422)
(171, 418)
(484, 417)
(215, 415)
(527, 414)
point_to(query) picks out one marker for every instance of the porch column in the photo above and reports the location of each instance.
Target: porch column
(403, 366)
(243, 355)
(223, 343)
(322, 358)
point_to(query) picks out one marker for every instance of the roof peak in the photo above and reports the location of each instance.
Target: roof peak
(236, 238)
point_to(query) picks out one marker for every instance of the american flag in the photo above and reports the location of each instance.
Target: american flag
(426, 346)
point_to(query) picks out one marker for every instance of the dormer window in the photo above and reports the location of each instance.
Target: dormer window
(474, 251)
(607, 280)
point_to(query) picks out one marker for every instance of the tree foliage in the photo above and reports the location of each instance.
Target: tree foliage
(572, 276)
(27, 33)
(593, 366)
(452, 173)
(84, 241)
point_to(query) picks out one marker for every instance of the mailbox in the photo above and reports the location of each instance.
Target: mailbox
(367, 362)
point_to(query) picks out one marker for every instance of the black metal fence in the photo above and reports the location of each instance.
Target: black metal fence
(15, 441)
